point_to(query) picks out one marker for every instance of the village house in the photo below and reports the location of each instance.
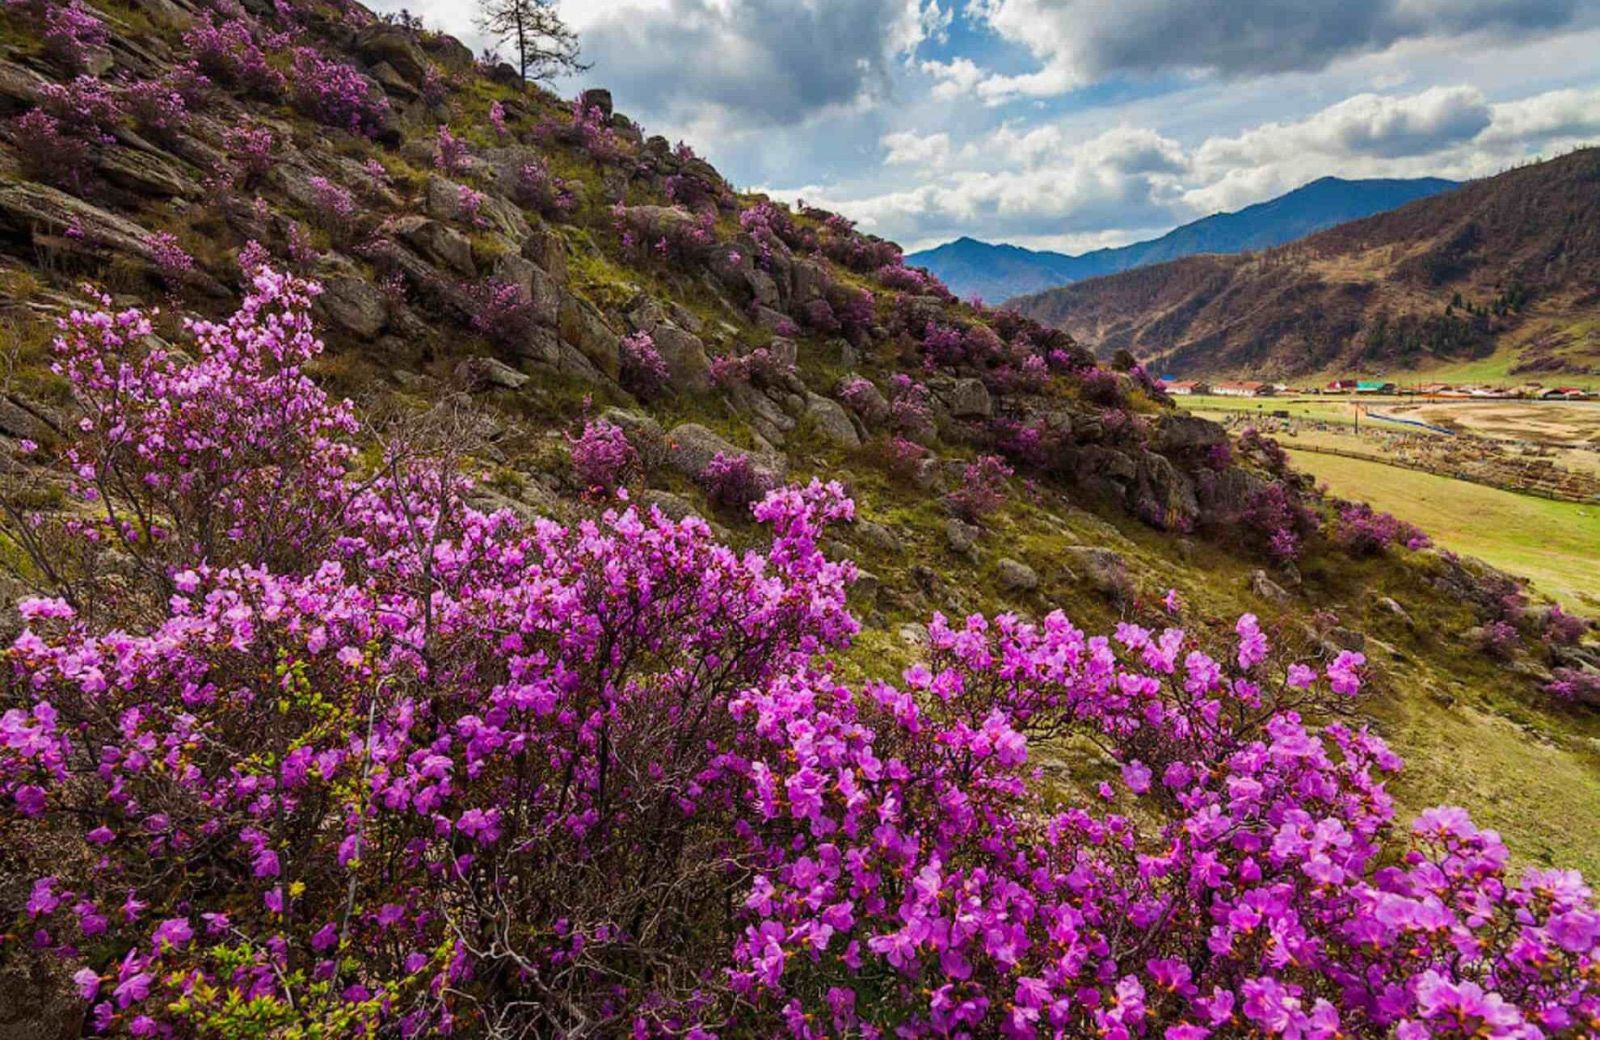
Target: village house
(1244, 389)
(1185, 387)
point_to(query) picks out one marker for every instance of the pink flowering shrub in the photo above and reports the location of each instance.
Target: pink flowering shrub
(503, 311)
(733, 482)
(602, 458)
(983, 488)
(910, 412)
(644, 370)
(157, 106)
(336, 95)
(171, 259)
(333, 205)
(450, 153)
(761, 367)
(470, 203)
(591, 130)
(497, 120)
(46, 152)
(71, 31)
(227, 52)
(1362, 531)
(249, 152)
(1278, 522)
(1574, 686)
(536, 188)
(85, 106)
(390, 765)
(902, 458)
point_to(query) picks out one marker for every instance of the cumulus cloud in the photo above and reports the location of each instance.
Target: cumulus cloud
(1050, 186)
(753, 62)
(1082, 41)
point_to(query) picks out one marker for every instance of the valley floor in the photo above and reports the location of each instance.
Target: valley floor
(1556, 545)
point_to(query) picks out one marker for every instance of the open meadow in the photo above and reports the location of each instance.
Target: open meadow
(1556, 545)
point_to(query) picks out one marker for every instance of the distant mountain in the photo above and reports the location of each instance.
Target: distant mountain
(999, 272)
(1511, 261)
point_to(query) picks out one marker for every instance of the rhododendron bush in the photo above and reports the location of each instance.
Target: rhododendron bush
(374, 760)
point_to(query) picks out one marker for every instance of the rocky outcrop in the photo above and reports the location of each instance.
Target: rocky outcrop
(438, 242)
(691, 447)
(831, 421)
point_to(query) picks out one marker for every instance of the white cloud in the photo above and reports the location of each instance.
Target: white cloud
(909, 148)
(1077, 42)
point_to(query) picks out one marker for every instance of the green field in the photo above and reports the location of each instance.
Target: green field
(1555, 545)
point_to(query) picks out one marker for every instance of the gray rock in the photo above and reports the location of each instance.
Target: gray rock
(396, 46)
(1180, 432)
(878, 536)
(967, 399)
(646, 436)
(691, 447)
(1017, 576)
(832, 422)
(598, 97)
(685, 356)
(540, 289)
(960, 535)
(448, 51)
(1105, 569)
(438, 242)
(354, 304)
(1166, 489)
(19, 421)
(869, 404)
(1347, 639)
(1266, 588)
(482, 373)
(1396, 609)
(150, 173)
(582, 327)
(548, 250)
(673, 507)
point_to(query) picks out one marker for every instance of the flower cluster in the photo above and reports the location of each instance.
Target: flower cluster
(333, 205)
(450, 153)
(503, 311)
(732, 481)
(227, 52)
(171, 259)
(1362, 531)
(336, 95)
(644, 370)
(602, 458)
(761, 367)
(983, 488)
(536, 188)
(249, 152)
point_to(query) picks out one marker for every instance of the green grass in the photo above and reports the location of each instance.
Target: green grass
(1555, 545)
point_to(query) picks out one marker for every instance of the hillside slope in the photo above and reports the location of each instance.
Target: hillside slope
(1000, 272)
(415, 727)
(1503, 265)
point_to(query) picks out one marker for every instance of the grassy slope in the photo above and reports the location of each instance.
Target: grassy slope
(1554, 544)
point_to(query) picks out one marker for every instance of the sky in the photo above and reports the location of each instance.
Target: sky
(1076, 124)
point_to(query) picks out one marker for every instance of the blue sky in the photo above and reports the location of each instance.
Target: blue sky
(1073, 124)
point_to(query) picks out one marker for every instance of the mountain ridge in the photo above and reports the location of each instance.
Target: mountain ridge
(1503, 266)
(1000, 271)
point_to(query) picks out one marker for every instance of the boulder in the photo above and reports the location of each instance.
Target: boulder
(1163, 488)
(448, 51)
(1266, 588)
(673, 507)
(354, 304)
(832, 422)
(582, 327)
(438, 242)
(960, 536)
(868, 403)
(537, 286)
(685, 356)
(598, 97)
(878, 536)
(1105, 569)
(1016, 576)
(691, 447)
(478, 374)
(547, 249)
(20, 420)
(966, 399)
(1180, 432)
(381, 42)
